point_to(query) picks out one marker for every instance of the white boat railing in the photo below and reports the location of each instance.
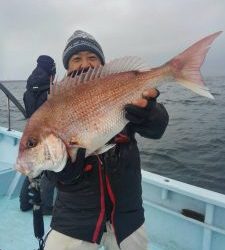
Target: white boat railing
(11, 97)
(170, 197)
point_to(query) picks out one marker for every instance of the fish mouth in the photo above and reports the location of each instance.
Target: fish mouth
(24, 169)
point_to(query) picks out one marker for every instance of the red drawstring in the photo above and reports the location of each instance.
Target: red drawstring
(102, 203)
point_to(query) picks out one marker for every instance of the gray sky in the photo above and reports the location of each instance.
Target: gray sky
(154, 30)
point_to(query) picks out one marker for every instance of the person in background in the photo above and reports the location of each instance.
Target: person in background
(38, 85)
(99, 198)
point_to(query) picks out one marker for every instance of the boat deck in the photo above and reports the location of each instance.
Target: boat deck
(18, 227)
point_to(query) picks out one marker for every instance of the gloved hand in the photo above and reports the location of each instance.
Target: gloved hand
(149, 121)
(72, 170)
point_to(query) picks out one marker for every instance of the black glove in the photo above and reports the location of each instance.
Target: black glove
(73, 170)
(150, 121)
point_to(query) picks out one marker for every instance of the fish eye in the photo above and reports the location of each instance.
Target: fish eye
(31, 143)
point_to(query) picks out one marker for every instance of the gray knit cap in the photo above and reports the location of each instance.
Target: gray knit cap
(81, 41)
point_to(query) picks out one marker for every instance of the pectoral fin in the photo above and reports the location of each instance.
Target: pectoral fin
(72, 148)
(103, 149)
(72, 152)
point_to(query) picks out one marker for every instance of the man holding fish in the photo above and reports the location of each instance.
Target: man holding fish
(99, 199)
(85, 134)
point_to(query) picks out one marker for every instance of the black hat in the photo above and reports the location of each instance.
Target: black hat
(82, 41)
(47, 64)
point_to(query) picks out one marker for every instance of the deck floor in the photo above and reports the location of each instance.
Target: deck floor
(16, 227)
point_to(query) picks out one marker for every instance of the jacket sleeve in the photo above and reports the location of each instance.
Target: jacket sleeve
(154, 126)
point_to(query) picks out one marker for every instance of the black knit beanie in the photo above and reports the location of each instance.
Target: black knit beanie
(47, 64)
(81, 41)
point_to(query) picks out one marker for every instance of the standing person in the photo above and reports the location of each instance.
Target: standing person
(99, 198)
(37, 88)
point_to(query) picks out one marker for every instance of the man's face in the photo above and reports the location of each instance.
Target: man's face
(83, 60)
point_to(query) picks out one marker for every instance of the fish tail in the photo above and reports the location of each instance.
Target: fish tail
(186, 66)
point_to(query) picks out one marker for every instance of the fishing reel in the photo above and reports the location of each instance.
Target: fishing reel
(38, 221)
(34, 191)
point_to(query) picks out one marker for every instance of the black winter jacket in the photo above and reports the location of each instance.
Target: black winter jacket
(109, 189)
(36, 92)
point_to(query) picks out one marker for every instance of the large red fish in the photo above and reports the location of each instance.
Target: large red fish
(88, 110)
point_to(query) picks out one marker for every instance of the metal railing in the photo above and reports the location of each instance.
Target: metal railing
(12, 98)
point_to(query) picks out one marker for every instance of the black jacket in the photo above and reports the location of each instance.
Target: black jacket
(36, 92)
(35, 95)
(108, 189)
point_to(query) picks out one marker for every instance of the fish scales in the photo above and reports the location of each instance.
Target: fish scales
(95, 106)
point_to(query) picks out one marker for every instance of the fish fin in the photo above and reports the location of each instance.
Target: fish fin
(91, 74)
(72, 152)
(186, 66)
(72, 147)
(104, 149)
(54, 88)
(124, 64)
(66, 82)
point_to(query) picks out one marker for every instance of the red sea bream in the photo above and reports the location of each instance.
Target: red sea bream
(88, 110)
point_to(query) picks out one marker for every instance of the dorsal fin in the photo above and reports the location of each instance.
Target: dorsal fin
(124, 64)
